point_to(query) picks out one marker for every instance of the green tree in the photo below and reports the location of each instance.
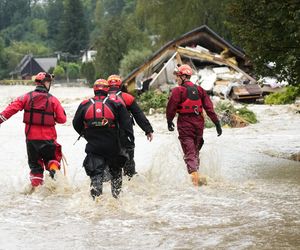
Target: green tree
(38, 9)
(14, 53)
(269, 32)
(26, 23)
(112, 41)
(132, 60)
(170, 19)
(98, 18)
(39, 27)
(59, 72)
(3, 66)
(88, 71)
(110, 47)
(89, 7)
(73, 33)
(13, 12)
(54, 12)
(13, 33)
(73, 70)
(119, 32)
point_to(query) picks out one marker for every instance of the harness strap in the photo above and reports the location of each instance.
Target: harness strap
(3, 118)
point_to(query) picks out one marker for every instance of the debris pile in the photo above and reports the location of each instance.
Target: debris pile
(220, 67)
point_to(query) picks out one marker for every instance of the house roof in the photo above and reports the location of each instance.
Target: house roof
(22, 64)
(203, 36)
(44, 63)
(47, 63)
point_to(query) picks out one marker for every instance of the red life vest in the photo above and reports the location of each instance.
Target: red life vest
(38, 109)
(192, 103)
(116, 96)
(99, 114)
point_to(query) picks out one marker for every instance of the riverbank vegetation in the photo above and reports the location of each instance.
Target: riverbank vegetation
(287, 96)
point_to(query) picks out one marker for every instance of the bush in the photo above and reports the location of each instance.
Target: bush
(88, 71)
(286, 97)
(73, 70)
(228, 115)
(246, 114)
(59, 72)
(132, 60)
(153, 99)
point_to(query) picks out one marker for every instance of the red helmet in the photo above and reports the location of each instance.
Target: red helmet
(101, 84)
(43, 77)
(183, 70)
(114, 80)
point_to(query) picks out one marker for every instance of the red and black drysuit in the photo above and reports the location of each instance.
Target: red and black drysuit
(189, 100)
(128, 101)
(41, 112)
(99, 120)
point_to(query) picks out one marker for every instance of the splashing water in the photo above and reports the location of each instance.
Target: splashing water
(251, 201)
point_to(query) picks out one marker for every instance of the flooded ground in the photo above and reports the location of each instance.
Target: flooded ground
(252, 200)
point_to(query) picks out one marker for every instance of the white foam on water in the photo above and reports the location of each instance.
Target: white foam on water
(251, 199)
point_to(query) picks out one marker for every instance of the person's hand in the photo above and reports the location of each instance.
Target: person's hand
(171, 126)
(218, 128)
(149, 136)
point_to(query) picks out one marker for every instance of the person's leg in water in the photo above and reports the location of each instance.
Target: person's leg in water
(106, 174)
(115, 167)
(36, 165)
(51, 155)
(94, 167)
(127, 150)
(190, 137)
(199, 144)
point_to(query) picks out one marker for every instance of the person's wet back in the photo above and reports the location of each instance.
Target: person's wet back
(99, 121)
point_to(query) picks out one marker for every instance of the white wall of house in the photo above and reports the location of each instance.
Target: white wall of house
(89, 56)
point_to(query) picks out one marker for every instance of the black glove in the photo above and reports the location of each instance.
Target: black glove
(129, 166)
(171, 126)
(218, 128)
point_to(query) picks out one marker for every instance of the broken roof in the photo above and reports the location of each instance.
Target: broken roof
(203, 36)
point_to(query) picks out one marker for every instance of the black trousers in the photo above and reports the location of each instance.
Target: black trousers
(39, 153)
(95, 166)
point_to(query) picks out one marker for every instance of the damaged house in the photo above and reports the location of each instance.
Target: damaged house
(219, 67)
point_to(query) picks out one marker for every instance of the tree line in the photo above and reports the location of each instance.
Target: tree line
(125, 32)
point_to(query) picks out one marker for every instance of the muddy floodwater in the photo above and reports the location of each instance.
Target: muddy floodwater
(252, 200)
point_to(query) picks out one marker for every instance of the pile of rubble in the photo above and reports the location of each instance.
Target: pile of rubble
(220, 67)
(219, 80)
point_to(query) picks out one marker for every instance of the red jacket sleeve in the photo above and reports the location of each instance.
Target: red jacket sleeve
(59, 112)
(15, 106)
